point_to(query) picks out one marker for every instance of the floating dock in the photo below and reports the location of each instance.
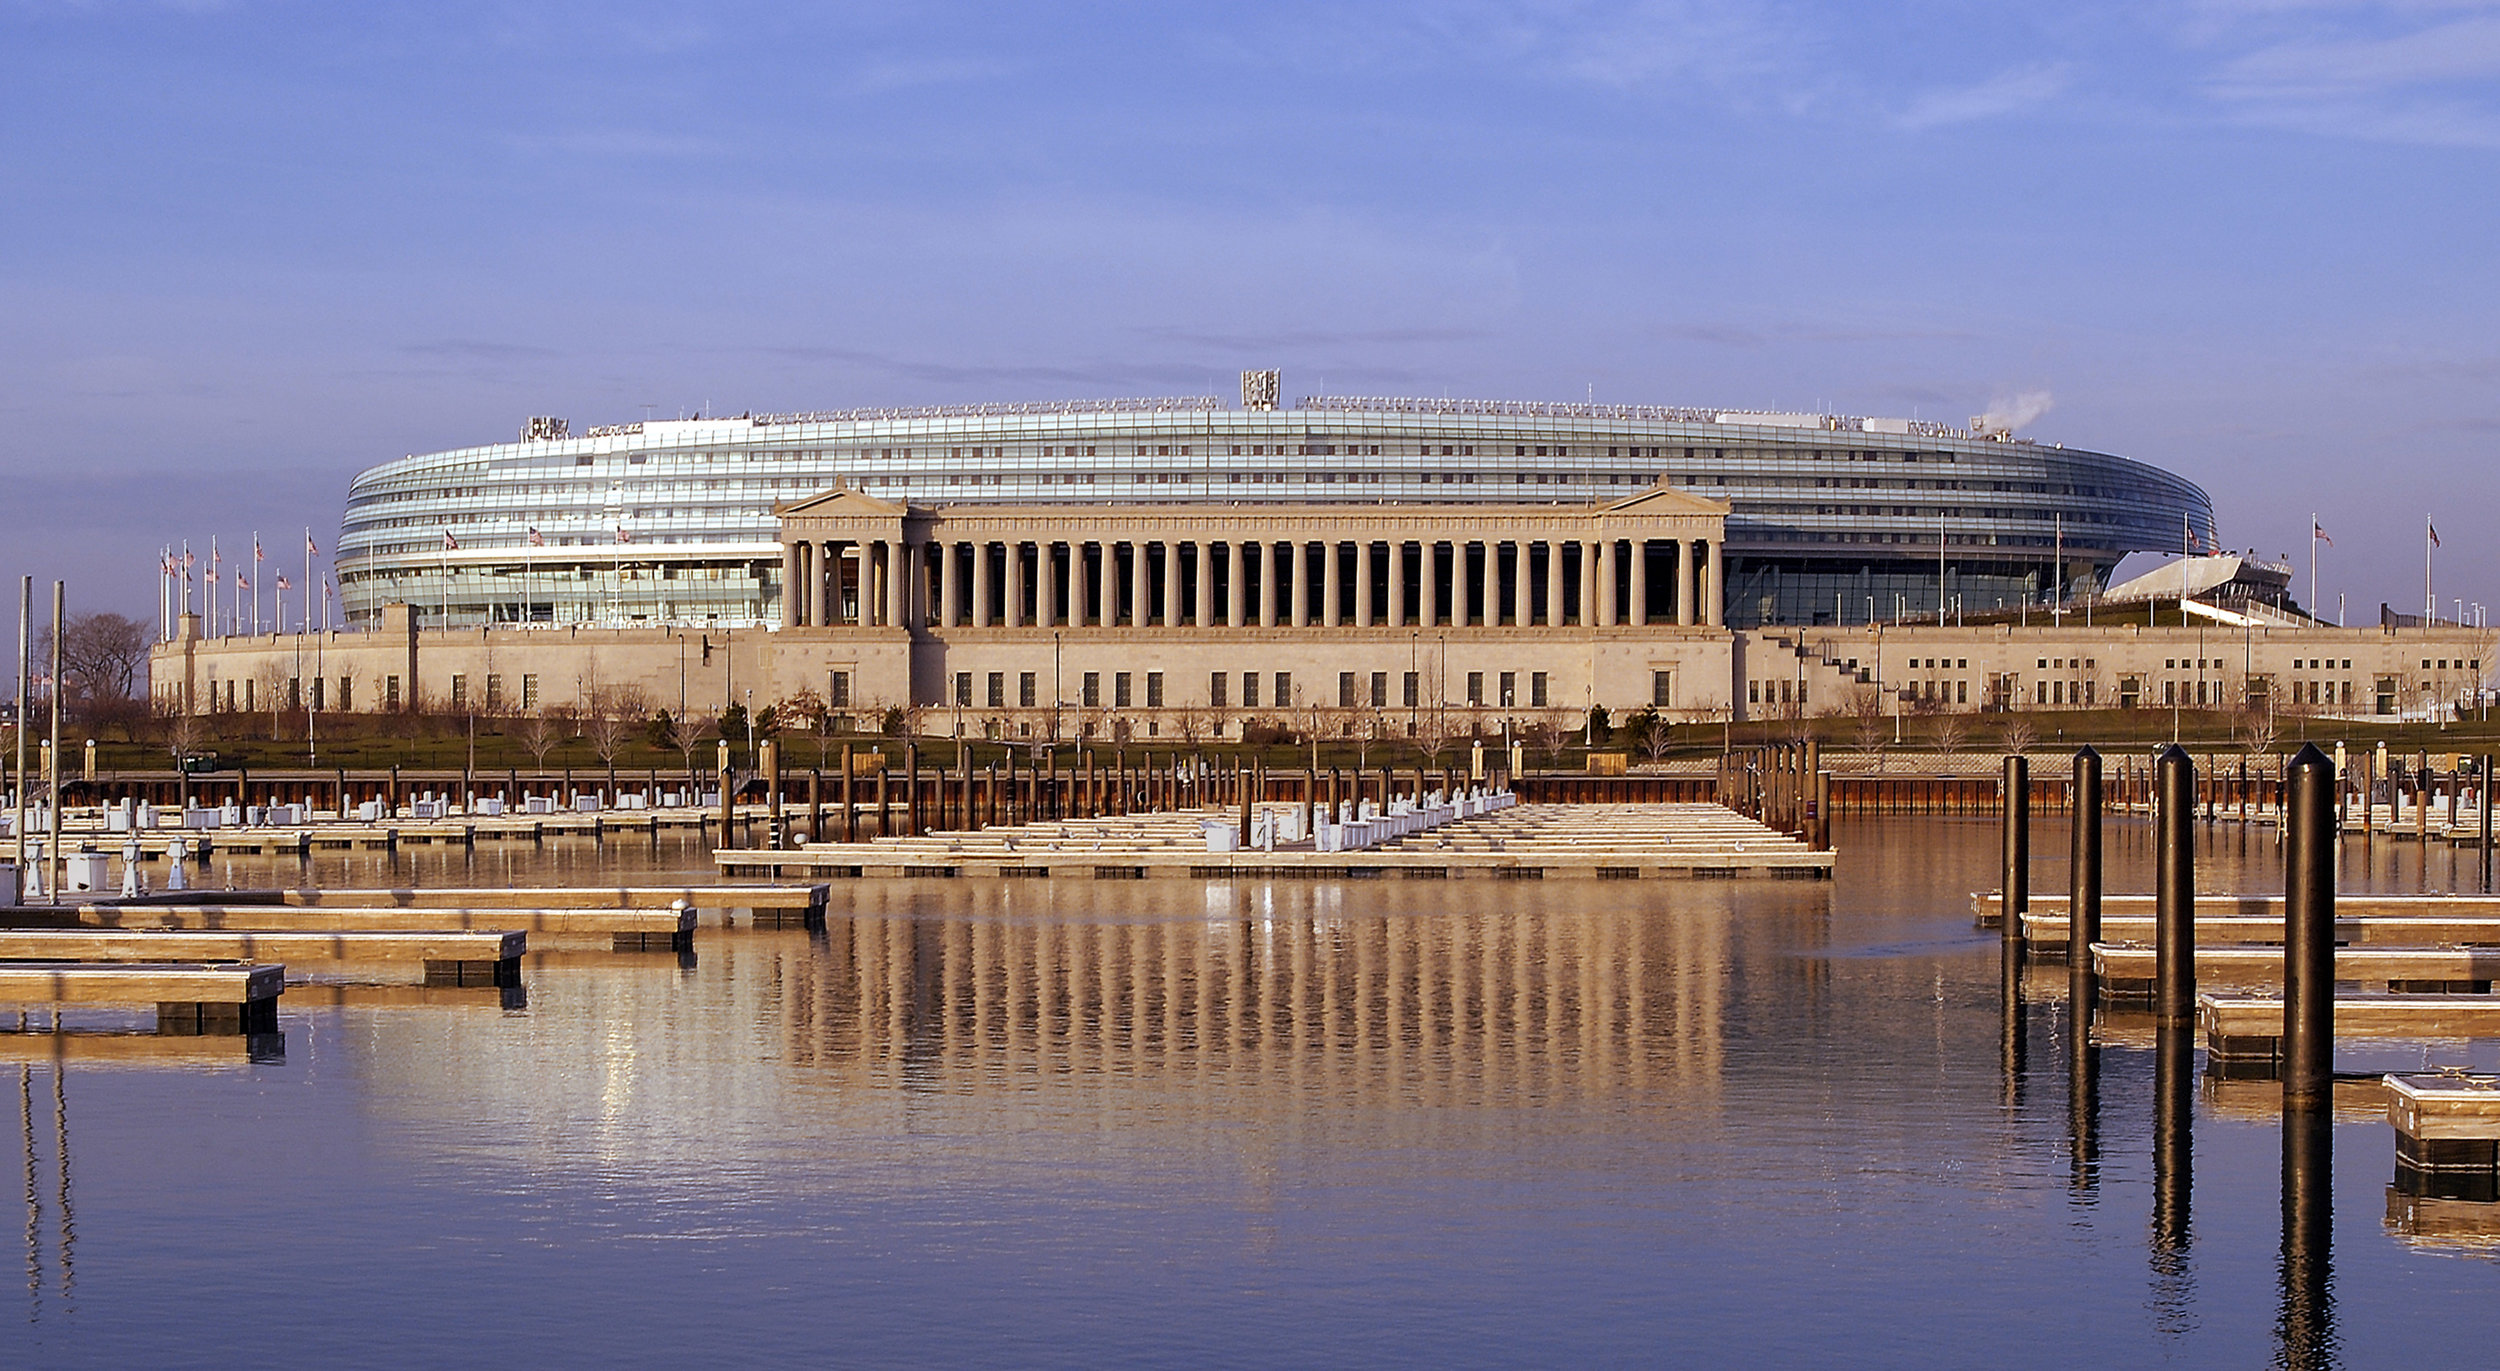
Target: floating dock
(1530, 842)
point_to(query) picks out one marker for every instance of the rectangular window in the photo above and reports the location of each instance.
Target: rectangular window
(1284, 690)
(295, 692)
(459, 691)
(529, 691)
(963, 687)
(390, 692)
(1380, 689)
(494, 691)
(1412, 688)
(998, 690)
(1217, 681)
(1536, 689)
(1154, 690)
(1475, 687)
(1661, 689)
(1510, 689)
(1089, 691)
(1345, 690)
(1123, 692)
(838, 690)
(1250, 690)
(1028, 689)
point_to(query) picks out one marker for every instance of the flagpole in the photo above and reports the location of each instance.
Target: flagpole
(2313, 568)
(2430, 601)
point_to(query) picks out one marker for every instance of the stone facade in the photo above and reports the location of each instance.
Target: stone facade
(1192, 622)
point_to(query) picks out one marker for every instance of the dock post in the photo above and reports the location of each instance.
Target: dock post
(2309, 934)
(2083, 899)
(2174, 893)
(850, 797)
(2482, 799)
(728, 795)
(911, 790)
(775, 834)
(2015, 880)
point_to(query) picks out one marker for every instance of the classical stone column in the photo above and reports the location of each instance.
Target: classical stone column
(1363, 582)
(905, 577)
(1299, 572)
(1080, 593)
(1492, 583)
(1712, 595)
(1015, 584)
(1332, 583)
(1428, 584)
(1397, 583)
(1553, 584)
(1137, 584)
(1203, 613)
(1236, 584)
(1606, 583)
(1588, 583)
(1640, 580)
(1046, 583)
(1684, 582)
(981, 608)
(951, 584)
(791, 614)
(1271, 587)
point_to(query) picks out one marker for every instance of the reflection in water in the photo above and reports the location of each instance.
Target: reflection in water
(2305, 1328)
(34, 1199)
(1473, 1003)
(2174, 1160)
(2083, 1112)
(65, 1234)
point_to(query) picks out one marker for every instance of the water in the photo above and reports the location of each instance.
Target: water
(1068, 1123)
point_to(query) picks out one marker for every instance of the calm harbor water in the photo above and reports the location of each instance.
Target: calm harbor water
(1077, 1123)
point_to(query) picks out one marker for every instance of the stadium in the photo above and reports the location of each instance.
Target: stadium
(1832, 520)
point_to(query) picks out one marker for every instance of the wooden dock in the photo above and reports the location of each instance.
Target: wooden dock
(2126, 969)
(1986, 906)
(650, 929)
(1531, 842)
(491, 957)
(2244, 1033)
(39, 1047)
(189, 999)
(2447, 1133)
(806, 901)
(2047, 933)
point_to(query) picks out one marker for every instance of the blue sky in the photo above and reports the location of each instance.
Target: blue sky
(249, 248)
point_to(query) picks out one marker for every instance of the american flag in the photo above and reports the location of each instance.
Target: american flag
(624, 534)
(537, 539)
(256, 557)
(450, 544)
(241, 581)
(282, 581)
(2318, 531)
(311, 548)
(2434, 528)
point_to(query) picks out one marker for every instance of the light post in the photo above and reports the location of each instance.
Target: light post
(1054, 686)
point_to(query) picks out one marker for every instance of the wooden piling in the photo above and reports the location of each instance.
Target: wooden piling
(2309, 934)
(2174, 888)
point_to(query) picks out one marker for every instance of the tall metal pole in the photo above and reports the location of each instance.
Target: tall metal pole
(2083, 902)
(2174, 892)
(2016, 878)
(25, 616)
(52, 850)
(2309, 934)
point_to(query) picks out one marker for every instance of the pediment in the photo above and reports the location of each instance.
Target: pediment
(1666, 499)
(841, 501)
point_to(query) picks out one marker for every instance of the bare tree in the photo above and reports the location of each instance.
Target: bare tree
(1952, 734)
(1866, 721)
(104, 660)
(2020, 734)
(540, 733)
(2256, 731)
(1657, 739)
(611, 717)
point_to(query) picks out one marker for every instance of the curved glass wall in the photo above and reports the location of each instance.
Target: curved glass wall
(671, 522)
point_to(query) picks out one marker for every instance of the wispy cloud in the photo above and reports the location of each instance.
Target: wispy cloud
(2426, 72)
(2007, 92)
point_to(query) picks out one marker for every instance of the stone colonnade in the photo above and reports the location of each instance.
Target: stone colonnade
(851, 561)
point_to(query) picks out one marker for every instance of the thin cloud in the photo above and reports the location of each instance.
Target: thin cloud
(2337, 72)
(623, 143)
(2008, 92)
